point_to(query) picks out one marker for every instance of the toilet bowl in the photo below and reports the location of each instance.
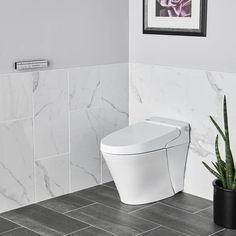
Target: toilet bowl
(147, 160)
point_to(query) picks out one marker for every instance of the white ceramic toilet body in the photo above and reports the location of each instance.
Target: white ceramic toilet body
(147, 160)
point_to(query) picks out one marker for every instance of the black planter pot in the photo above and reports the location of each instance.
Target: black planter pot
(224, 206)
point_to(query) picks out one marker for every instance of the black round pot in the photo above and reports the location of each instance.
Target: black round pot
(224, 206)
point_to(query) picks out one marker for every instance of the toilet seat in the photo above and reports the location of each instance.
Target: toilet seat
(143, 137)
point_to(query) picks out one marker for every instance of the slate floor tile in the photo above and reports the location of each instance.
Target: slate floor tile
(65, 203)
(91, 231)
(208, 213)
(178, 220)
(110, 184)
(20, 232)
(107, 196)
(226, 232)
(162, 231)
(187, 202)
(6, 225)
(111, 220)
(43, 220)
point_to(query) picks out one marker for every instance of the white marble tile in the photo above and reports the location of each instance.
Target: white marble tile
(15, 96)
(189, 95)
(16, 164)
(51, 113)
(85, 159)
(52, 177)
(84, 87)
(111, 121)
(114, 87)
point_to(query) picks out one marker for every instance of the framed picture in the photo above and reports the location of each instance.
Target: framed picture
(175, 17)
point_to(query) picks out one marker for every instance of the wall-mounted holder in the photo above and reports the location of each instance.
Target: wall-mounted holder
(31, 65)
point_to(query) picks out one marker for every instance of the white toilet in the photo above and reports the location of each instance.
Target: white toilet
(147, 160)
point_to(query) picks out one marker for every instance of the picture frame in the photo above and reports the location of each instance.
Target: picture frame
(161, 17)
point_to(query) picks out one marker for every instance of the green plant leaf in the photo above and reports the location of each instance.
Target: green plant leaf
(228, 154)
(219, 165)
(212, 171)
(234, 182)
(218, 127)
(215, 165)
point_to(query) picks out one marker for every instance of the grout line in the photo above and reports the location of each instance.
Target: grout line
(49, 208)
(217, 232)
(95, 226)
(180, 209)
(15, 120)
(142, 208)
(109, 186)
(22, 226)
(112, 207)
(10, 230)
(174, 230)
(84, 198)
(139, 217)
(202, 210)
(78, 230)
(127, 213)
(69, 126)
(33, 124)
(148, 230)
(53, 156)
(65, 213)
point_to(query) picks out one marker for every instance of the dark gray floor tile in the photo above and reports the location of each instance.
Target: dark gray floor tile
(91, 231)
(107, 196)
(112, 220)
(6, 225)
(179, 220)
(65, 203)
(44, 221)
(162, 231)
(187, 202)
(208, 213)
(110, 184)
(226, 232)
(20, 232)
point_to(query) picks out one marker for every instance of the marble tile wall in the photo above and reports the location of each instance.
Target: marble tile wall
(51, 124)
(188, 95)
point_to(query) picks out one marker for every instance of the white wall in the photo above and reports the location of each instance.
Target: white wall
(69, 33)
(215, 52)
(190, 94)
(51, 124)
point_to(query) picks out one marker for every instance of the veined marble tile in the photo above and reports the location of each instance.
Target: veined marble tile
(16, 164)
(15, 96)
(85, 162)
(52, 177)
(111, 121)
(84, 87)
(114, 87)
(51, 113)
(188, 95)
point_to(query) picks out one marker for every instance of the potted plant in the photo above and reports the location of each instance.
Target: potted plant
(225, 184)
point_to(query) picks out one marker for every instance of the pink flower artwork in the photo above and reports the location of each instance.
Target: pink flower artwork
(174, 8)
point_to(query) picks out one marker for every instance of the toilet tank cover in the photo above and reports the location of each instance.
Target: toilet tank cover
(139, 138)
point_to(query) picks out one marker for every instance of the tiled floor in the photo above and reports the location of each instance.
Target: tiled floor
(98, 212)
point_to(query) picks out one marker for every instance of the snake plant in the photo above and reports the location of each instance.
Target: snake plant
(224, 170)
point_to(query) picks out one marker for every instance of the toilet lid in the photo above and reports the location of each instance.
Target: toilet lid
(139, 138)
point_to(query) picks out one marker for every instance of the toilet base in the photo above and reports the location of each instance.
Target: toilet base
(142, 178)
